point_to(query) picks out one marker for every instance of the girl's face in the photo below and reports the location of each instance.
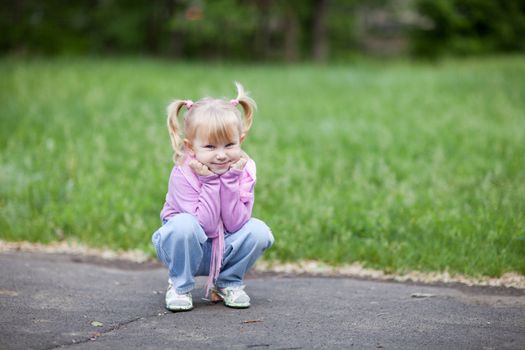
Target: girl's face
(218, 156)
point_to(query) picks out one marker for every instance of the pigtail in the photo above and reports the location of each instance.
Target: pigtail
(173, 128)
(248, 105)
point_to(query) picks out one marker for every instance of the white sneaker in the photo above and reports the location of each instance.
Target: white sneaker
(234, 297)
(178, 302)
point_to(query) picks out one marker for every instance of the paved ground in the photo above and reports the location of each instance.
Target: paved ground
(51, 301)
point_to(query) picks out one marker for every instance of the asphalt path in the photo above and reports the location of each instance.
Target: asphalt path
(52, 301)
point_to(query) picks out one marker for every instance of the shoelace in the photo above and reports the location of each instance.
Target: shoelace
(178, 296)
(235, 292)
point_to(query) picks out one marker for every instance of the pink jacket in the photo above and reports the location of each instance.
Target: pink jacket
(213, 199)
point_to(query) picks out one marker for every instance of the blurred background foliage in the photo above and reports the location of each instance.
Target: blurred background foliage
(410, 164)
(262, 30)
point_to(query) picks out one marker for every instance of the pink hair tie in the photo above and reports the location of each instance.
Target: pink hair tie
(189, 103)
(234, 102)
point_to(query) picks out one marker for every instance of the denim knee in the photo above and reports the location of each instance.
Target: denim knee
(181, 227)
(260, 233)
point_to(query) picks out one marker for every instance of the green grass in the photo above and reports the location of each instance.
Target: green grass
(399, 166)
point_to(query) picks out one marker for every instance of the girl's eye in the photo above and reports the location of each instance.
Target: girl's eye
(230, 145)
(209, 146)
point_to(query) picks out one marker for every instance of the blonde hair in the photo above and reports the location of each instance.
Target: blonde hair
(215, 118)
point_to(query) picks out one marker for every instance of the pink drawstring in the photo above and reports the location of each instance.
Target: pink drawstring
(189, 103)
(234, 102)
(217, 252)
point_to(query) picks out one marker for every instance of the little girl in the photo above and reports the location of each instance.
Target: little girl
(207, 225)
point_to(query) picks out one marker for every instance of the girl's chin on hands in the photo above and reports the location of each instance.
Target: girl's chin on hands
(204, 170)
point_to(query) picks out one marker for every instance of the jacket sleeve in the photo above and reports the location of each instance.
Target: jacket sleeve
(204, 204)
(237, 197)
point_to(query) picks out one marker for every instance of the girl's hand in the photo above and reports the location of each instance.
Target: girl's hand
(240, 164)
(199, 168)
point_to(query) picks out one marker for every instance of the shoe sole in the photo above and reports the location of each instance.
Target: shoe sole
(179, 309)
(238, 306)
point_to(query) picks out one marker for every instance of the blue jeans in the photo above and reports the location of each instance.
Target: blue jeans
(184, 248)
